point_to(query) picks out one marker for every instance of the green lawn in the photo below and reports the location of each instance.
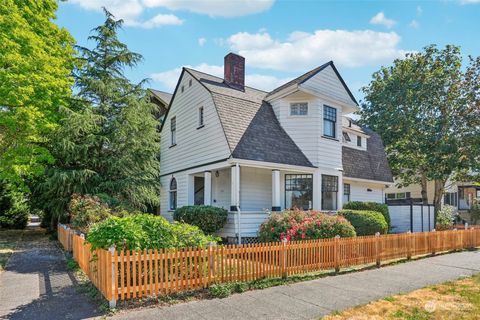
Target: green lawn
(8, 243)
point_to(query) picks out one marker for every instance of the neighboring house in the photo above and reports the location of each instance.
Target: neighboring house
(250, 151)
(461, 195)
(162, 100)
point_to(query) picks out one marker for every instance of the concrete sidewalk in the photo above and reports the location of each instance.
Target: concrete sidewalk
(313, 299)
(36, 284)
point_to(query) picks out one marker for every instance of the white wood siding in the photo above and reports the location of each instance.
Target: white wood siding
(414, 189)
(255, 189)
(359, 191)
(182, 193)
(400, 218)
(221, 189)
(194, 146)
(327, 83)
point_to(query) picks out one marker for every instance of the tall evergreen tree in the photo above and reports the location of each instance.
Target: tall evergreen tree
(36, 62)
(108, 143)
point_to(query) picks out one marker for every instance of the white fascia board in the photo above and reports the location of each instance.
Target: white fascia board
(283, 93)
(270, 165)
(346, 108)
(368, 180)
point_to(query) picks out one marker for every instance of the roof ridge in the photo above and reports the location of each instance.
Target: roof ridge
(211, 75)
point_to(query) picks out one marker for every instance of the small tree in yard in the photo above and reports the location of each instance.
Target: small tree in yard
(108, 142)
(426, 107)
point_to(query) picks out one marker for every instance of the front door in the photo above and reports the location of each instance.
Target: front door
(199, 187)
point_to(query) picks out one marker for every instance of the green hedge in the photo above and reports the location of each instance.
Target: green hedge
(304, 225)
(145, 231)
(208, 218)
(366, 222)
(369, 206)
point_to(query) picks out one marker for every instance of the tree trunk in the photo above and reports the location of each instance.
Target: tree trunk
(437, 199)
(424, 184)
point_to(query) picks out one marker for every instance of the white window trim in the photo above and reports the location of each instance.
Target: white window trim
(297, 115)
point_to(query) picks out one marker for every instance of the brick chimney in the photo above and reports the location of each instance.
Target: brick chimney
(234, 71)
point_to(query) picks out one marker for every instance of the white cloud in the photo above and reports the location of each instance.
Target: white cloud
(419, 11)
(302, 51)
(214, 8)
(414, 24)
(169, 78)
(380, 18)
(160, 20)
(201, 41)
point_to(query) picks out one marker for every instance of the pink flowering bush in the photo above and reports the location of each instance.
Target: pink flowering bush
(304, 225)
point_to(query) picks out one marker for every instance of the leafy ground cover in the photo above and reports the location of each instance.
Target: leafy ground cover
(451, 300)
(8, 243)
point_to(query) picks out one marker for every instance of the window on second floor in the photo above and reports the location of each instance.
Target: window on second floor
(200, 117)
(359, 141)
(329, 121)
(346, 137)
(299, 109)
(173, 131)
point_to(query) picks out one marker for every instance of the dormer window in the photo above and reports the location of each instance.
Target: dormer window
(329, 121)
(346, 137)
(359, 141)
(299, 109)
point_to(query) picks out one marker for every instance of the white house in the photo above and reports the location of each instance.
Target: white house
(250, 151)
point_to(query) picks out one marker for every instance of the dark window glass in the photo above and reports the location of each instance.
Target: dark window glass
(173, 131)
(359, 141)
(329, 121)
(200, 116)
(298, 191)
(346, 192)
(329, 192)
(173, 194)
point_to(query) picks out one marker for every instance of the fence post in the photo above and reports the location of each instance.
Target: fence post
(409, 245)
(336, 253)
(113, 298)
(283, 258)
(377, 249)
(433, 233)
(210, 262)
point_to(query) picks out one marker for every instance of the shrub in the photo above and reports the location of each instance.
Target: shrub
(369, 206)
(221, 290)
(86, 210)
(14, 209)
(208, 218)
(445, 217)
(366, 222)
(304, 225)
(145, 231)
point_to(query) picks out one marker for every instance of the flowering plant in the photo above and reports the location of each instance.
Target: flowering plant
(304, 225)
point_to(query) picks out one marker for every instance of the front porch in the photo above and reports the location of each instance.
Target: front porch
(251, 190)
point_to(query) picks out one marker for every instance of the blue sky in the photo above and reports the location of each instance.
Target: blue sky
(279, 39)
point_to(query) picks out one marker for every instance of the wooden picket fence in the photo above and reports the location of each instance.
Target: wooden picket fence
(134, 274)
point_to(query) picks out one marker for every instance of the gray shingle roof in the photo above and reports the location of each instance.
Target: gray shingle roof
(162, 95)
(371, 164)
(265, 140)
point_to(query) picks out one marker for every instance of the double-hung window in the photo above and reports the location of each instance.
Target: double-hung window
(173, 194)
(329, 192)
(298, 191)
(299, 109)
(346, 192)
(173, 131)
(329, 121)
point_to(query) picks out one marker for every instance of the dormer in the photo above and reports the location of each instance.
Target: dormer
(353, 135)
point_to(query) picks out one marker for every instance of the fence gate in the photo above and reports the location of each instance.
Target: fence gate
(411, 217)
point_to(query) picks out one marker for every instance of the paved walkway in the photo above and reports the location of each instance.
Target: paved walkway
(36, 284)
(313, 299)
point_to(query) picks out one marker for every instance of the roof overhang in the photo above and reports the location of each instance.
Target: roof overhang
(387, 183)
(270, 165)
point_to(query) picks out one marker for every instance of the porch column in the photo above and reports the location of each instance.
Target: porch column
(317, 190)
(235, 188)
(207, 196)
(276, 190)
(340, 192)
